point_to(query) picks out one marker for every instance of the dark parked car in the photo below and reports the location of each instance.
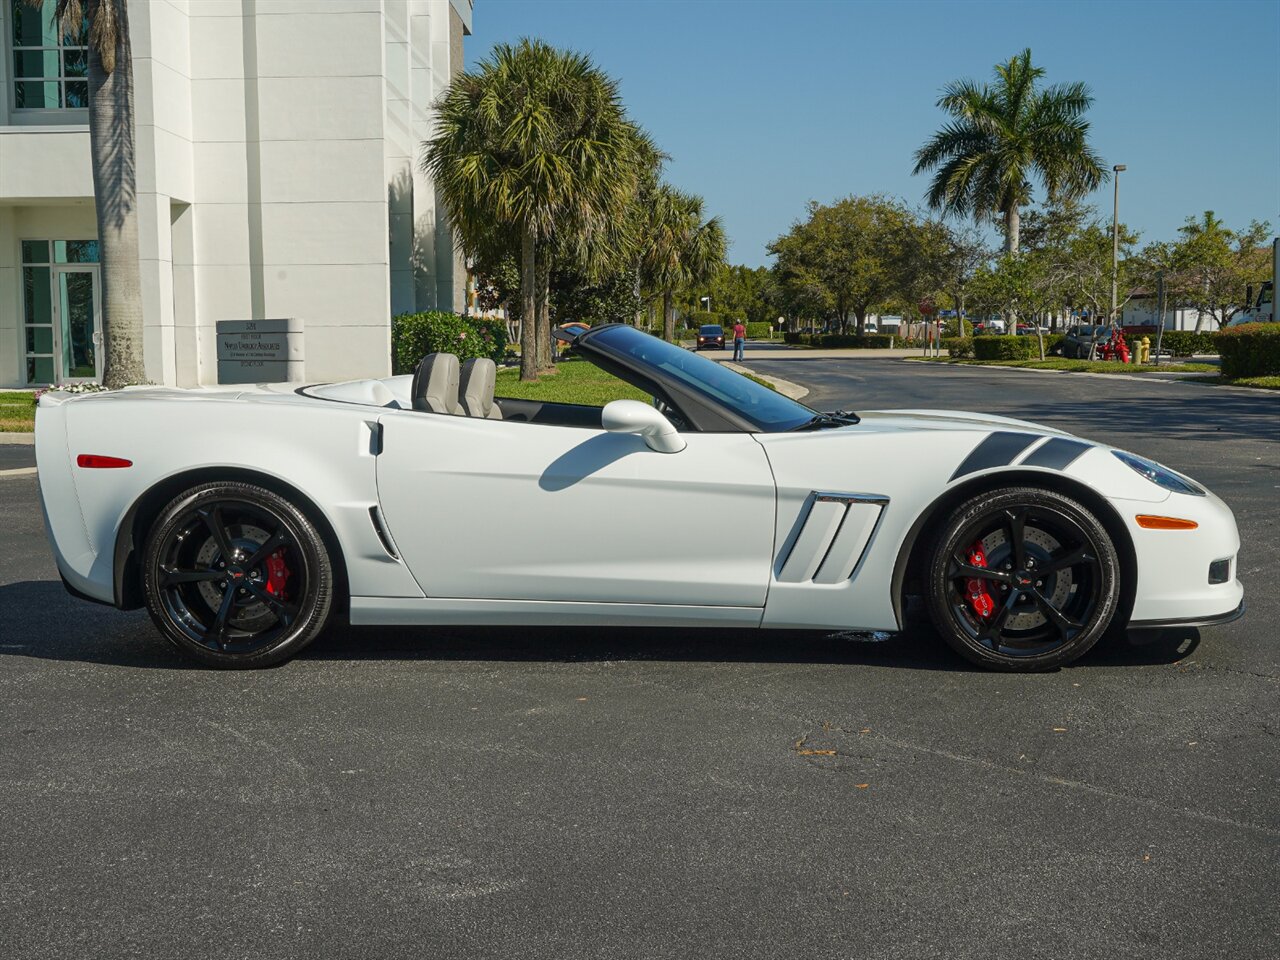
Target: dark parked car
(1082, 337)
(710, 335)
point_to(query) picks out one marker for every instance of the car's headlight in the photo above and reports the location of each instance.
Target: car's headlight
(1160, 475)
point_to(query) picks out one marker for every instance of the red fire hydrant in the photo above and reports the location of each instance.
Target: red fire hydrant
(1122, 345)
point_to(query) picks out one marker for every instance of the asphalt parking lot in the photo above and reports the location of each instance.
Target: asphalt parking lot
(624, 793)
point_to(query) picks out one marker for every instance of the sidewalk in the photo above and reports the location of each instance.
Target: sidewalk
(764, 350)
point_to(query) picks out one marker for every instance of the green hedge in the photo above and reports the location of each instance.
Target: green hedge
(1006, 348)
(1250, 350)
(759, 331)
(1181, 343)
(700, 317)
(414, 335)
(834, 341)
(959, 348)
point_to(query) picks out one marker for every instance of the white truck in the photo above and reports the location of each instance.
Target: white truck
(1261, 308)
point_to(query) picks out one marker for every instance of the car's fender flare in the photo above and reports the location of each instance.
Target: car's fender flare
(137, 520)
(910, 559)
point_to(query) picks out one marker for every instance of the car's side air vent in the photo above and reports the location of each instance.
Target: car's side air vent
(375, 517)
(833, 535)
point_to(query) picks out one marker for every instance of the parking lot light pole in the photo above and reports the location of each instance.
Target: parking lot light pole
(1115, 239)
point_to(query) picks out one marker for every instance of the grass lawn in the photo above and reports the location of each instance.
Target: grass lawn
(17, 411)
(1264, 383)
(1259, 383)
(1086, 366)
(575, 381)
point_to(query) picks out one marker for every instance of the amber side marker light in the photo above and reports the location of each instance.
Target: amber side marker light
(96, 461)
(1150, 522)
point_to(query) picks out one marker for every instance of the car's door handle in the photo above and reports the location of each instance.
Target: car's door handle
(375, 436)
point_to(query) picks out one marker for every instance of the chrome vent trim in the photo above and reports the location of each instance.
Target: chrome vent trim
(380, 528)
(832, 537)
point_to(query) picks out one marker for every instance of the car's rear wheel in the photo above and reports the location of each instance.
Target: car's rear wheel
(1022, 579)
(237, 576)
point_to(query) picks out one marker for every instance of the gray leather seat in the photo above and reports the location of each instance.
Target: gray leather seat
(479, 374)
(435, 384)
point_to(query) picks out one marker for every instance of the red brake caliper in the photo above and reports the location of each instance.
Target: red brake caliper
(277, 573)
(976, 590)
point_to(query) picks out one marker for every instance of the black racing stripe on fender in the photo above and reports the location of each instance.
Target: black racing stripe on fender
(996, 450)
(1058, 454)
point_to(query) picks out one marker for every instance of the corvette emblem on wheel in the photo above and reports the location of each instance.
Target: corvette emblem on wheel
(425, 499)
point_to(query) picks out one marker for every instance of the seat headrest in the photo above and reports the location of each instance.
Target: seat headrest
(435, 384)
(475, 392)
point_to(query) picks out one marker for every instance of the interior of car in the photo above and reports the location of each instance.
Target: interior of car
(442, 384)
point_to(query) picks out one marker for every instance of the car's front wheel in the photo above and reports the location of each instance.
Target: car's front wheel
(237, 576)
(1022, 579)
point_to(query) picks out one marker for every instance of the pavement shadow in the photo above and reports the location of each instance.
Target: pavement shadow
(39, 619)
(1217, 415)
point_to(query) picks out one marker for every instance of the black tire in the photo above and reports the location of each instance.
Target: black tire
(237, 576)
(1051, 571)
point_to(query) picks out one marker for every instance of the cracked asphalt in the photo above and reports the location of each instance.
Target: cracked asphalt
(648, 794)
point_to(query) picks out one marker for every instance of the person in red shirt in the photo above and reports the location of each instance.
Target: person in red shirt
(739, 339)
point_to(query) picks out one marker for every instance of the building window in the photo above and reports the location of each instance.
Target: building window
(59, 310)
(50, 66)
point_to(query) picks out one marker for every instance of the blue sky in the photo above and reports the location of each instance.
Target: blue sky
(764, 106)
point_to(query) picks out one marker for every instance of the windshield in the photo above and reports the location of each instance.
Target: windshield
(768, 410)
(711, 330)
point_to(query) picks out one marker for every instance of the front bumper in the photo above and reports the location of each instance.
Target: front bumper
(1173, 565)
(1214, 621)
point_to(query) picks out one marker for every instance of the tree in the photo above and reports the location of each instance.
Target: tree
(949, 259)
(112, 153)
(1213, 265)
(1003, 135)
(1077, 266)
(849, 257)
(680, 249)
(593, 299)
(737, 291)
(533, 149)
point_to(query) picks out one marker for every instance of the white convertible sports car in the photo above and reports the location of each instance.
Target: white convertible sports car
(244, 518)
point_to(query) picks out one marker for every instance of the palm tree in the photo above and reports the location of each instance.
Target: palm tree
(533, 145)
(1004, 134)
(681, 248)
(112, 154)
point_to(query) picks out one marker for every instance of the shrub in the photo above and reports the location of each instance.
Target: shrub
(414, 335)
(1250, 350)
(700, 317)
(795, 339)
(960, 348)
(759, 331)
(866, 341)
(1181, 343)
(1006, 348)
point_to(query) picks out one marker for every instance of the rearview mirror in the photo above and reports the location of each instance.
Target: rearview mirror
(632, 416)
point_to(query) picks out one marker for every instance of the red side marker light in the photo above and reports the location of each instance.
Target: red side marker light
(1150, 522)
(96, 461)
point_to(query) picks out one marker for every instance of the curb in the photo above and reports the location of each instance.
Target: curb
(1172, 378)
(788, 389)
(24, 439)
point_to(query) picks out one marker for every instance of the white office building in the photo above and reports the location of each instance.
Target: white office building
(278, 144)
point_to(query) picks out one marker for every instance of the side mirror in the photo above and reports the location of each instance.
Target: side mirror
(632, 416)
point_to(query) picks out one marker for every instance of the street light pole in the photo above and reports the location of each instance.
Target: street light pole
(1115, 239)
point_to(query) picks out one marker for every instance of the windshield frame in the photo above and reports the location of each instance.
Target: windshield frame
(701, 402)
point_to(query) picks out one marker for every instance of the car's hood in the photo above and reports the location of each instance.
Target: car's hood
(889, 420)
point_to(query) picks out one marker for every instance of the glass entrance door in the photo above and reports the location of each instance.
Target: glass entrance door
(78, 323)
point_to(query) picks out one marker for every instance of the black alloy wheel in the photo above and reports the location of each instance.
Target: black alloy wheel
(237, 576)
(1023, 579)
